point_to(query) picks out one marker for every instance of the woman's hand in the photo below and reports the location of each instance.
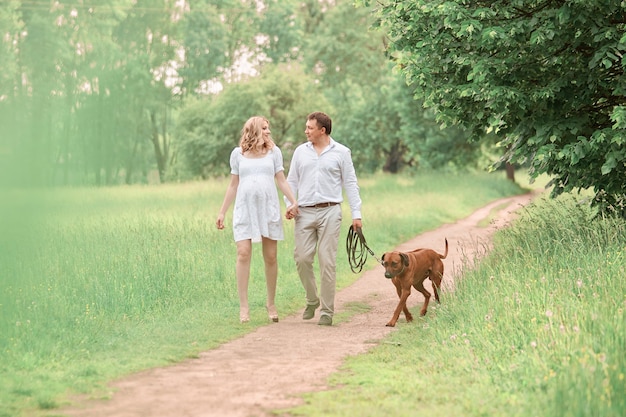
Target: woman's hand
(220, 221)
(292, 211)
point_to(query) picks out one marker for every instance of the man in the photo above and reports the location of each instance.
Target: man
(320, 170)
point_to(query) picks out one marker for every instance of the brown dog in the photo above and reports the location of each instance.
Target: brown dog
(411, 269)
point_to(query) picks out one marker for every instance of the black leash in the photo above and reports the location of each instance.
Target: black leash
(356, 247)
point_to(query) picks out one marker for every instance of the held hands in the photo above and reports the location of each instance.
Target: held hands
(292, 211)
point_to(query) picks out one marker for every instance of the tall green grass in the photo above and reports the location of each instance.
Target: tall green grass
(98, 283)
(537, 329)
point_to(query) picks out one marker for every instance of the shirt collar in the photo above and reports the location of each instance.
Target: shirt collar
(331, 144)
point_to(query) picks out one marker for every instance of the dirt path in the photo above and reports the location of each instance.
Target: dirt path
(269, 368)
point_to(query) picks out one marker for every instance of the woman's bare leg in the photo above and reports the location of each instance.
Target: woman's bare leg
(270, 252)
(242, 270)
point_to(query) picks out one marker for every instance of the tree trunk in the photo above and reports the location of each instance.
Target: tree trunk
(159, 151)
(510, 172)
(394, 159)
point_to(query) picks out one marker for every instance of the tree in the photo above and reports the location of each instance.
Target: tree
(221, 37)
(215, 34)
(83, 88)
(11, 26)
(147, 38)
(342, 53)
(389, 130)
(281, 30)
(546, 76)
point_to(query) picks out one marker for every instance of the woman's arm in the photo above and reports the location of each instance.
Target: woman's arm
(231, 192)
(284, 187)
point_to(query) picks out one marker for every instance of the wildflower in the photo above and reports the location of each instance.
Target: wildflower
(549, 313)
(533, 344)
(579, 283)
(453, 337)
(576, 329)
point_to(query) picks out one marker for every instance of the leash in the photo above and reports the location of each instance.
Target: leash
(356, 246)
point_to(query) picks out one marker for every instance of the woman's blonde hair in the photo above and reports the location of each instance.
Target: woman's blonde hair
(252, 135)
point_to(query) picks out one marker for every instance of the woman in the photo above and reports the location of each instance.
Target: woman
(254, 165)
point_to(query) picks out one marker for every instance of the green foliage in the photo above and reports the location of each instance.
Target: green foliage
(283, 31)
(85, 91)
(343, 54)
(214, 36)
(537, 329)
(546, 77)
(389, 131)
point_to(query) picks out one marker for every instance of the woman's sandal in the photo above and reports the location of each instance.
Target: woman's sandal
(272, 314)
(244, 317)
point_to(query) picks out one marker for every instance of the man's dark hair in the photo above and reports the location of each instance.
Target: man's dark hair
(323, 120)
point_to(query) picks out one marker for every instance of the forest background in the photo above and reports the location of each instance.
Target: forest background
(127, 92)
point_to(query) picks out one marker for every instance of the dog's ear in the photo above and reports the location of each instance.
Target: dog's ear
(383, 257)
(405, 259)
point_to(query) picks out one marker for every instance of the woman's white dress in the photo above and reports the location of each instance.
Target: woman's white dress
(257, 207)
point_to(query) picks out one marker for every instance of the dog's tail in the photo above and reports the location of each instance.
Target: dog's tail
(446, 252)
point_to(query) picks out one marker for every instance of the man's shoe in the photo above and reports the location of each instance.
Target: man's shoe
(309, 311)
(325, 320)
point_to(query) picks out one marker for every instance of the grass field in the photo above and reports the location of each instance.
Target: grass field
(538, 329)
(99, 283)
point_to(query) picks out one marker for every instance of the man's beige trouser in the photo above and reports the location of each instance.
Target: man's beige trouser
(318, 228)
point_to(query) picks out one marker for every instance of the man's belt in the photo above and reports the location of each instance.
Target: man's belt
(321, 205)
